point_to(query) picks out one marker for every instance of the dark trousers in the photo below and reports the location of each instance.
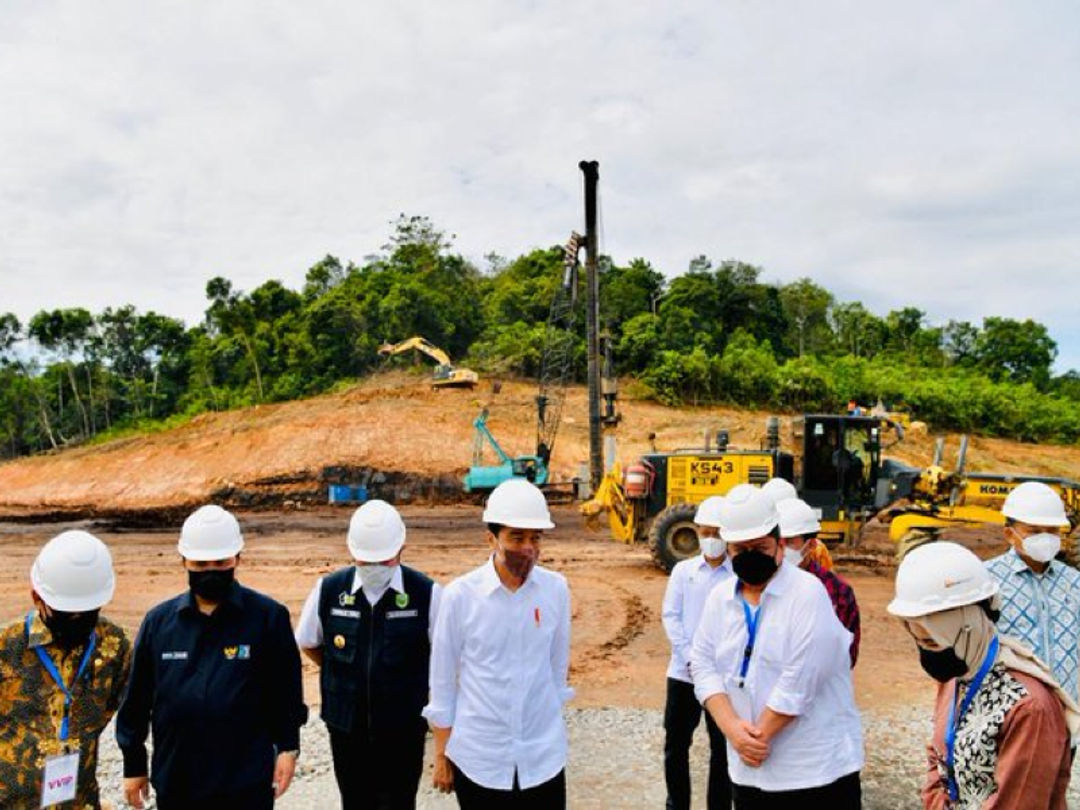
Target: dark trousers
(682, 713)
(377, 775)
(551, 795)
(843, 794)
(261, 799)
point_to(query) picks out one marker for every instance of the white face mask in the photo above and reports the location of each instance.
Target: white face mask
(1042, 547)
(712, 547)
(793, 556)
(375, 578)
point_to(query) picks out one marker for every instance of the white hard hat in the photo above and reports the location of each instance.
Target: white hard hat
(519, 504)
(779, 489)
(797, 517)
(376, 532)
(1036, 504)
(940, 576)
(747, 514)
(708, 511)
(210, 533)
(73, 573)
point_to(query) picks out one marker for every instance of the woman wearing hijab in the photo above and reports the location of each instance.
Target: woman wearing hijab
(1002, 724)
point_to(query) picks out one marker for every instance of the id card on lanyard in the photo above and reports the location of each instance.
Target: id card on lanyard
(955, 720)
(60, 776)
(740, 693)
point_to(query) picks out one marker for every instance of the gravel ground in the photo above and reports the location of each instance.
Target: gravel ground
(615, 762)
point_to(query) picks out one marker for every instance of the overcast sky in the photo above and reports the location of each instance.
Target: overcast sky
(918, 153)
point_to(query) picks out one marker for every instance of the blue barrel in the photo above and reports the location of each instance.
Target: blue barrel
(359, 494)
(340, 493)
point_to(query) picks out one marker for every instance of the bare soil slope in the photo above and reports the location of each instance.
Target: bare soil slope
(393, 424)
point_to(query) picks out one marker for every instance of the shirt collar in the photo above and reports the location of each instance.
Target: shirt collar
(397, 580)
(703, 565)
(780, 581)
(1018, 566)
(39, 634)
(490, 582)
(232, 597)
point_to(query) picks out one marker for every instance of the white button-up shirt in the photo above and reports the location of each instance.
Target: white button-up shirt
(690, 583)
(499, 662)
(309, 630)
(800, 666)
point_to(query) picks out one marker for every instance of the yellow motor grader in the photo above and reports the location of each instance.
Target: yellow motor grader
(838, 469)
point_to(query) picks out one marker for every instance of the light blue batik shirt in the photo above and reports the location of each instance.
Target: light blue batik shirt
(1043, 611)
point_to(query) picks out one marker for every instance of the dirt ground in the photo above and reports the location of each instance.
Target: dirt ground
(619, 653)
(394, 425)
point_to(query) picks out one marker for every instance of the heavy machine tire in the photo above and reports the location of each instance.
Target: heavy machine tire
(673, 536)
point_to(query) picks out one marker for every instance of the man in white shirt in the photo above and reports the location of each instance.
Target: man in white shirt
(499, 663)
(690, 583)
(770, 664)
(373, 653)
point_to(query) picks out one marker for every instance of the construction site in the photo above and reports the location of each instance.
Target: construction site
(410, 444)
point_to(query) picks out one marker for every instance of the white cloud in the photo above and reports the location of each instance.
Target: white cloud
(921, 154)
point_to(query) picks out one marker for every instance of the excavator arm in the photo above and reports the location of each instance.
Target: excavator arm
(421, 345)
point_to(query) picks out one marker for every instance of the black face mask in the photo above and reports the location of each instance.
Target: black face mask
(942, 665)
(211, 585)
(70, 630)
(753, 567)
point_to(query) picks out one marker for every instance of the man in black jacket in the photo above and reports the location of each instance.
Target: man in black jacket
(372, 648)
(216, 678)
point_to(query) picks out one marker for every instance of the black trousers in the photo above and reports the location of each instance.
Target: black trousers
(682, 713)
(378, 775)
(551, 795)
(260, 799)
(843, 794)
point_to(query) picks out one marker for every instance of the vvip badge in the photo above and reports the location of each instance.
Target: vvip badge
(339, 641)
(230, 653)
(401, 600)
(244, 652)
(59, 781)
(346, 599)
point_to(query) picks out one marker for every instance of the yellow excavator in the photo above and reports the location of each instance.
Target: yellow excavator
(445, 376)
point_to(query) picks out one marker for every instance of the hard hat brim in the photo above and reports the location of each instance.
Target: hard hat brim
(208, 555)
(752, 533)
(539, 524)
(381, 555)
(77, 604)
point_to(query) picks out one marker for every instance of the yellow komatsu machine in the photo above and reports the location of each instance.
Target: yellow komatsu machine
(837, 469)
(935, 498)
(446, 376)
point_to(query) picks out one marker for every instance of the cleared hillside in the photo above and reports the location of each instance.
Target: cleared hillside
(391, 425)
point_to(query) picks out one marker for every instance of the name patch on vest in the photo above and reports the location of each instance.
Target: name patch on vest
(174, 655)
(402, 614)
(345, 614)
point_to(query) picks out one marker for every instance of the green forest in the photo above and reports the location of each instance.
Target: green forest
(717, 333)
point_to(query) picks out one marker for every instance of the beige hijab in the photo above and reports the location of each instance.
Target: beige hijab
(968, 630)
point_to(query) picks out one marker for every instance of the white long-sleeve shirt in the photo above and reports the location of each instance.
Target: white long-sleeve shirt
(800, 666)
(499, 663)
(689, 585)
(309, 630)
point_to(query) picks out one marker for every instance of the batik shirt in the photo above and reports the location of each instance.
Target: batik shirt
(1043, 611)
(32, 707)
(1011, 750)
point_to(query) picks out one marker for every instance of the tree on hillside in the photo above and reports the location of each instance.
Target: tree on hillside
(806, 306)
(64, 332)
(1021, 351)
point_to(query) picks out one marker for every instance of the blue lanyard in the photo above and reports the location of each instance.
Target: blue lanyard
(751, 617)
(50, 667)
(954, 721)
